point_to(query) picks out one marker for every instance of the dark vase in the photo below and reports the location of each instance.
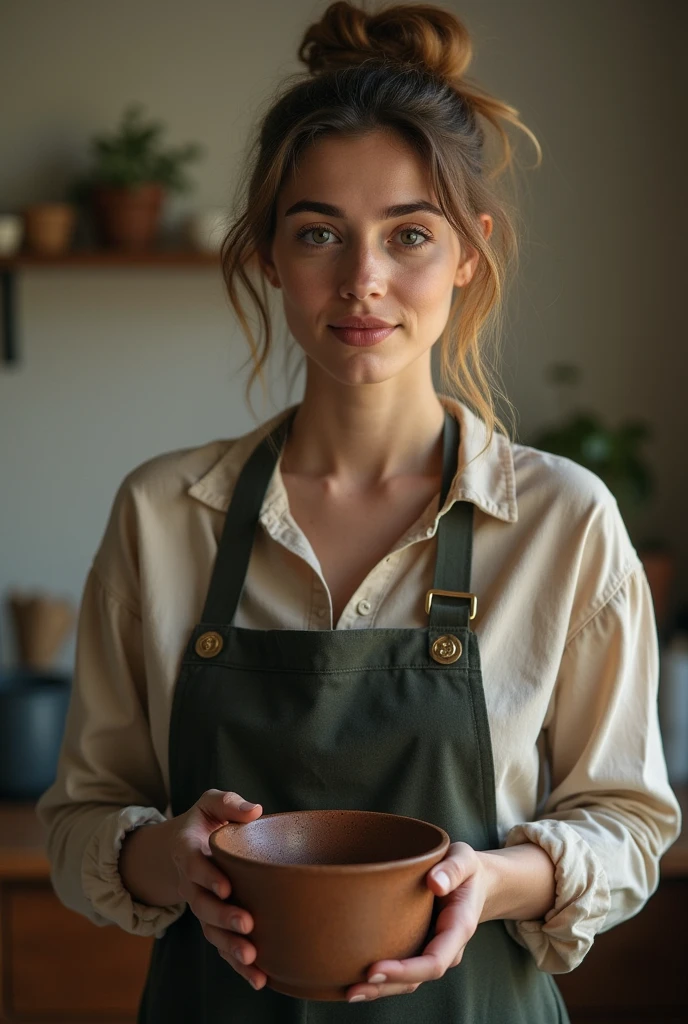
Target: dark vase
(33, 711)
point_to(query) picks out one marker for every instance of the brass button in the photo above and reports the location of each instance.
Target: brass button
(446, 649)
(209, 644)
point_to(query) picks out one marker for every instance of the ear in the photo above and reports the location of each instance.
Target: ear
(268, 267)
(466, 269)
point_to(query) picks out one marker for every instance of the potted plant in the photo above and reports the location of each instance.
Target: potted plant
(614, 454)
(130, 177)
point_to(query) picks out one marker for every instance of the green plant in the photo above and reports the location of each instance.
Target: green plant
(613, 454)
(133, 155)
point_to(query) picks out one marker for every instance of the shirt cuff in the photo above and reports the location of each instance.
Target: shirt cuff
(561, 939)
(102, 882)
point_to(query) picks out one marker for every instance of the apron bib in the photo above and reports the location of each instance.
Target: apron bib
(371, 719)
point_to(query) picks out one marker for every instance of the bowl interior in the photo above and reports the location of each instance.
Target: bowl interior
(328, 838)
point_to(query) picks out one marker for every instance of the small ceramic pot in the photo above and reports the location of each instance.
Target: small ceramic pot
(49, 227)
(11, 233)
(330, 893)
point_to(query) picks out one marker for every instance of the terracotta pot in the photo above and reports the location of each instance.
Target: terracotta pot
(128, 217)
(49, 227)
(330, 892)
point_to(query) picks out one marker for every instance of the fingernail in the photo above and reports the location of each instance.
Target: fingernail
(246, 806)
(217, 889)
(442, 879)
(357, 999)
(254, 983)
(239, 954)
(377, 979)
(236, 924)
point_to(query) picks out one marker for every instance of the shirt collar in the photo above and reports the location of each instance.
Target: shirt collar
(487, 479)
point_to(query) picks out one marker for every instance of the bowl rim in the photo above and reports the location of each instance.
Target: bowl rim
(337, 869)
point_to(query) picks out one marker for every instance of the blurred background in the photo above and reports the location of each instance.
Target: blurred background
(110, 355)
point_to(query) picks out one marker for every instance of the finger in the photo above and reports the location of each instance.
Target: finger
(253, 975)
(368, 993)
(460, 863)
(197, 869)
(221, 806)
(214, 808)
(243, 951)
(452, 933)
(454, 927)
(458, 958)
(413, 971)
(213, 911)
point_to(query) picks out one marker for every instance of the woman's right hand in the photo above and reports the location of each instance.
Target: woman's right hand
(205, 887)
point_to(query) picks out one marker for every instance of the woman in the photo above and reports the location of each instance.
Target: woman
(295, 619)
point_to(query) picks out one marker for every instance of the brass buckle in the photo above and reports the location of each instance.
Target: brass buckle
(451, 593)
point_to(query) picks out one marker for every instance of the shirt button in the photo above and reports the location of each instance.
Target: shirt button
(429, 531)
(320, 612)
(363, 607)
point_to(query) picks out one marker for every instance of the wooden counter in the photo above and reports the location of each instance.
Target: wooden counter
(57, 966)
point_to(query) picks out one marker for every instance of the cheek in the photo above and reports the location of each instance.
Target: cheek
(426, 292)
(423, 285)
(306, 288)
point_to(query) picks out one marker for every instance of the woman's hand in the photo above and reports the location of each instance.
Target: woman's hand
(462, 881)
(516, 884)
(204, 886)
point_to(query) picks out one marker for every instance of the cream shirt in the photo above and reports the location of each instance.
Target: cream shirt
(568, 647)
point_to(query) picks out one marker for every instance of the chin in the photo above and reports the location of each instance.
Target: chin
(364, 369)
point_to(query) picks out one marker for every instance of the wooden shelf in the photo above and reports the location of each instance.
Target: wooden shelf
(167, 258)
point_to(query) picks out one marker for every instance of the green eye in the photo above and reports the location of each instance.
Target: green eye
(321, 229)
(417, 234)
(314, 231)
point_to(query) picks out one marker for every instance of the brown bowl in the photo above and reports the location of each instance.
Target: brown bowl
(330, 892)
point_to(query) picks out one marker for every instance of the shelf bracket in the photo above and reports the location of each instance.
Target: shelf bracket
(8, 288)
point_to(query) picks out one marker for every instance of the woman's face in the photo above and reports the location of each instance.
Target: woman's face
(340, 250)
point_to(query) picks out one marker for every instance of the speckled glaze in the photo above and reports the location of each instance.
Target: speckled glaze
(330, 892)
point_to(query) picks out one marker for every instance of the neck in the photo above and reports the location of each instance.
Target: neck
(366, 434)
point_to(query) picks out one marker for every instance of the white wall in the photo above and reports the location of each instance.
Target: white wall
(117, 366)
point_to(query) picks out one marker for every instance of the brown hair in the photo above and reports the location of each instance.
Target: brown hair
(400, 69)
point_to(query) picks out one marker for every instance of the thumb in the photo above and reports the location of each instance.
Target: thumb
(226, 806)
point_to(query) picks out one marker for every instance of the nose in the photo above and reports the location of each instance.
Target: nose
(362, 272)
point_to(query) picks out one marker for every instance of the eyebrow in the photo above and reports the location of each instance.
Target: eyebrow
(399, 210)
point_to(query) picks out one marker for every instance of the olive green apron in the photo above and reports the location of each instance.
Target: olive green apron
(370, 719)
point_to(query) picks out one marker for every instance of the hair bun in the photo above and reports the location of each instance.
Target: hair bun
(416, 34)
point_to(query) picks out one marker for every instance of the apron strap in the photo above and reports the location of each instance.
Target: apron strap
(236, 542)
(454, 544)
(454, 533)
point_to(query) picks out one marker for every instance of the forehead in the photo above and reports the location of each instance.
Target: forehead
(359, 174)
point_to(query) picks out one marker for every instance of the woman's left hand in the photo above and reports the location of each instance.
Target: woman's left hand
(463, 892)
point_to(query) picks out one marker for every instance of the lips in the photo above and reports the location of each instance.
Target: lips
(363, 337)
(363, 323)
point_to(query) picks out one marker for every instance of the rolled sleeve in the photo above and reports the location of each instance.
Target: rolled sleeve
(611, 813)
(108, 778)
(102, 884)
(559, 942)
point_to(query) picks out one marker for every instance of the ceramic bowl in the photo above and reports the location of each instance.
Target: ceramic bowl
(330, 892)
